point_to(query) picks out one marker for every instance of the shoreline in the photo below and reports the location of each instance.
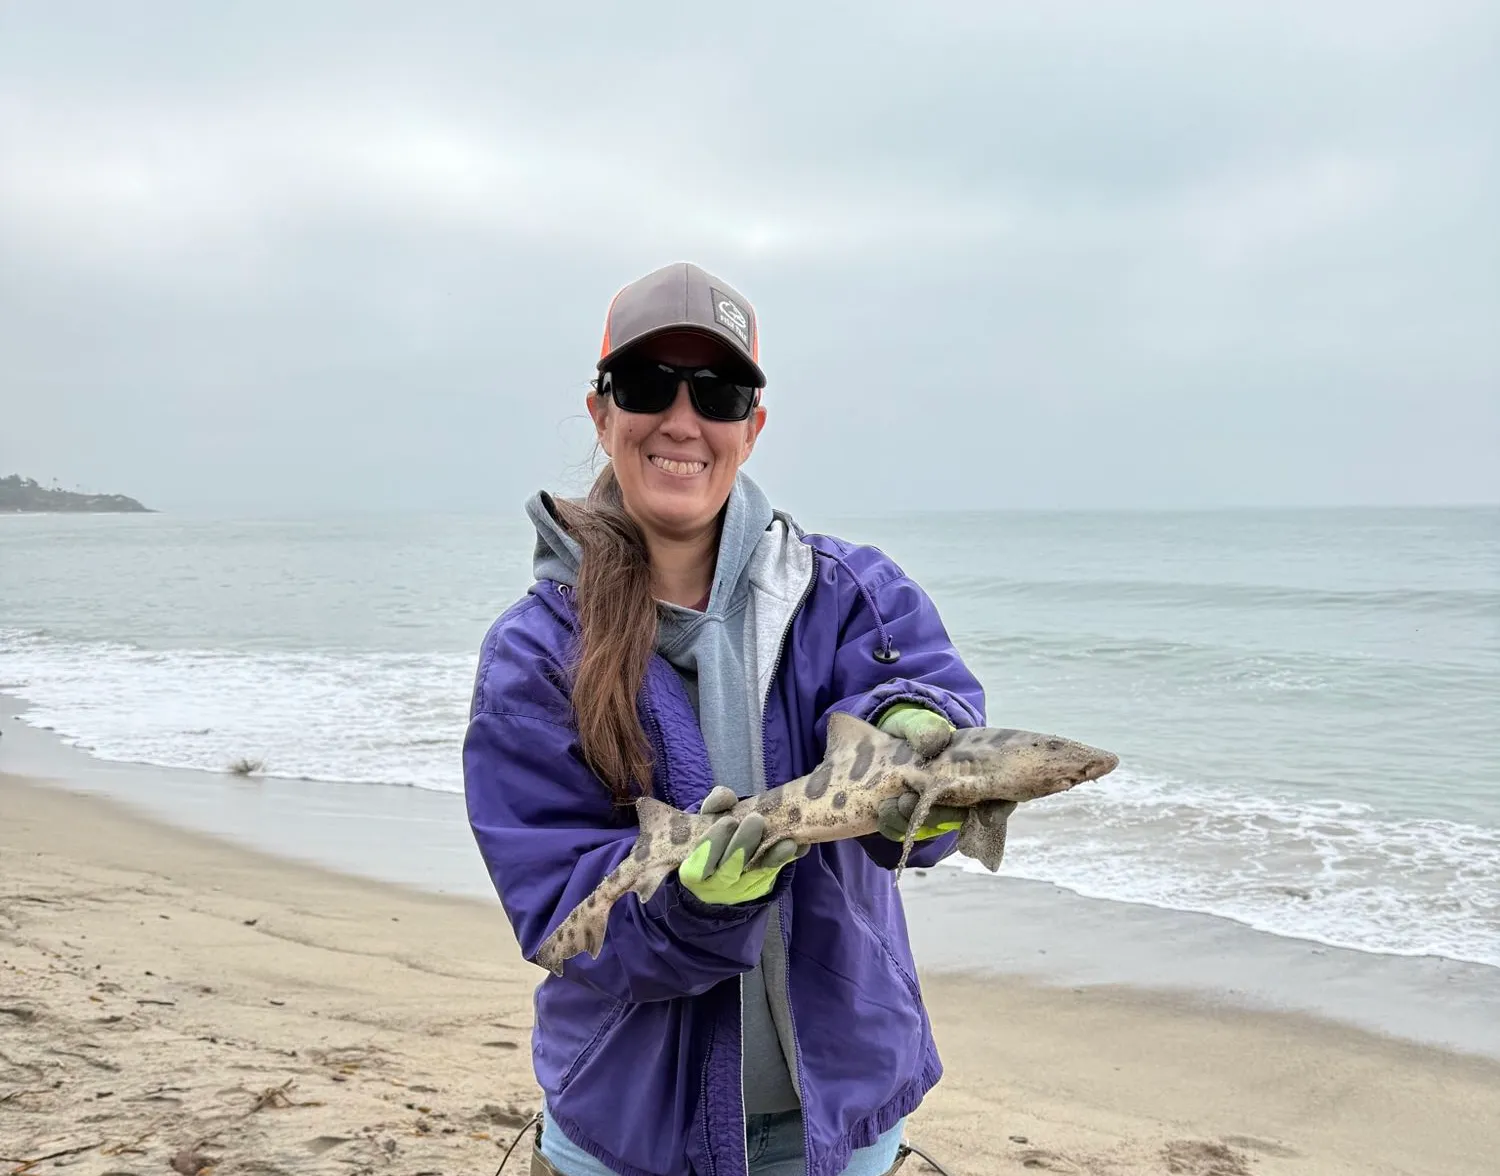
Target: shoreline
(169, 993)
(961, 925)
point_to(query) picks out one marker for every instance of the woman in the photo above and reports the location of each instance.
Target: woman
(686, 640)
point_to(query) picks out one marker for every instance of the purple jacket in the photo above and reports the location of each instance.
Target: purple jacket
(638, 1052)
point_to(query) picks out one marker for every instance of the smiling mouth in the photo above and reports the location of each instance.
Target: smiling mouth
(680, 468)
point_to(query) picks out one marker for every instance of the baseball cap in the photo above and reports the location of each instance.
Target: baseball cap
(682, 297)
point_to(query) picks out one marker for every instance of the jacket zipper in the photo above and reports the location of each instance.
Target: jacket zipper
(660, 743)
(708, 1147)
(765, 759)
(658, 740)
(744, 1119)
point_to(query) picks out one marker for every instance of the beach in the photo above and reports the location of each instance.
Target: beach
(168, 996)
(1130, 380)
(1268, 943)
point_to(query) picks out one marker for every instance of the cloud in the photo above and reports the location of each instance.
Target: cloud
(155, 184)
(336, 238)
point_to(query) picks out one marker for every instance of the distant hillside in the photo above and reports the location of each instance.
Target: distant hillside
(25, 494)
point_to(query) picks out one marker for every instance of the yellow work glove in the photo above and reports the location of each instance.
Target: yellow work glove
(714, 871)
(928, 733)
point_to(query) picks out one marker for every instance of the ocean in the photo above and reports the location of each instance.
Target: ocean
(1306, 703)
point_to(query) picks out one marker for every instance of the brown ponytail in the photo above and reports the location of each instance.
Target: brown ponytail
(618, 618)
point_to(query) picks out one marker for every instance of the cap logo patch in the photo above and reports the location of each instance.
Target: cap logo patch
(729, 314)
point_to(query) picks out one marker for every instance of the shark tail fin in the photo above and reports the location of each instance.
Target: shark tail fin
(656, 853)
(659, 849)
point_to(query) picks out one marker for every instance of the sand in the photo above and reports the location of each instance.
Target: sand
(169, 997)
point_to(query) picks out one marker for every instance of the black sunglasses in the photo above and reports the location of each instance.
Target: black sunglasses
(643, 385)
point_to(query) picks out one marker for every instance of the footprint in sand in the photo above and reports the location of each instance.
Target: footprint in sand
(1037, 1159)
(1198, 1157)
(510, 1115)
(1266, 1147)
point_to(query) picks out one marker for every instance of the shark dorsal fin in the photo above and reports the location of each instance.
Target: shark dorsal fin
(844, 728)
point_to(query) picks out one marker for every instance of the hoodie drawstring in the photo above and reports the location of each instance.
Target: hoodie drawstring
(885, 650)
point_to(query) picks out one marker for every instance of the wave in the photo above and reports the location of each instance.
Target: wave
(1337, 872)
(363, 718)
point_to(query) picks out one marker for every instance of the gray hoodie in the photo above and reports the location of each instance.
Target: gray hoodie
(707, 650)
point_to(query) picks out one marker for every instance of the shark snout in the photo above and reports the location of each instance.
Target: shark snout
(1098, 763)
(1081, 762)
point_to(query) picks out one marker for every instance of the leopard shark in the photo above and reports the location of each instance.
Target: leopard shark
(984, 770)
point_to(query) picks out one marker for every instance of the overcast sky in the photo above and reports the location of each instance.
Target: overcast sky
(270, 256)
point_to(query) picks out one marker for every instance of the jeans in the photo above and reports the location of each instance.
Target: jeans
(775, 1149)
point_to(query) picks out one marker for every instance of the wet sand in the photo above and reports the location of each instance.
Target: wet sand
(965, 923)
(168, 995)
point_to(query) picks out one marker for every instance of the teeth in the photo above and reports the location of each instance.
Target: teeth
(680, 467)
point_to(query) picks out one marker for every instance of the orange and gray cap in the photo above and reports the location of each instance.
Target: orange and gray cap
(682, 297)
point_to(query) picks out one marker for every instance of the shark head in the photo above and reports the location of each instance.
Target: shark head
(1031, 764)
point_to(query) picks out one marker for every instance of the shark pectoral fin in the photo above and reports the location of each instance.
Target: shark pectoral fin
(983, 834)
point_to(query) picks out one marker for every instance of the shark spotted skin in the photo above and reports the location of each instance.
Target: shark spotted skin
(979, 770)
